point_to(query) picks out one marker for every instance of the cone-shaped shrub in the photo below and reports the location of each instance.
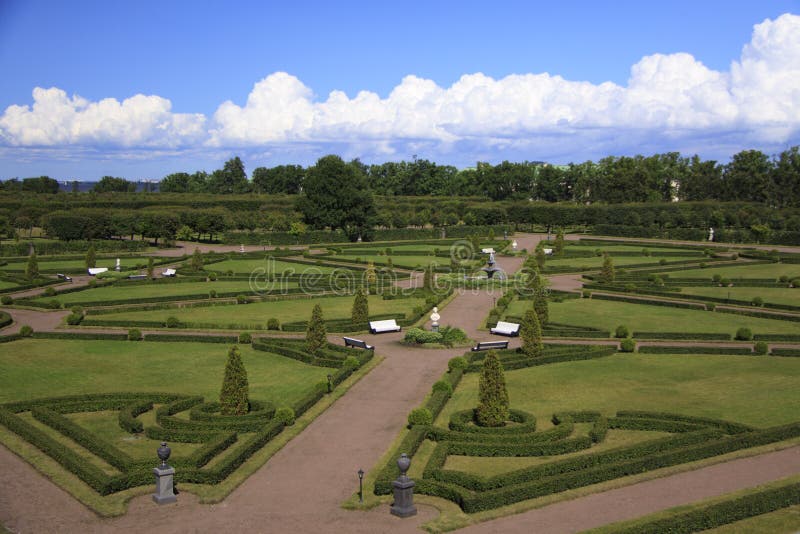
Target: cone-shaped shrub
(531, 333)
(360, 313)
(91, 257)
(32, 268)
(558, 246)
(492, 393)
(315, 335)
(540, 305)
(233, 397)
(197, 260)
(607, 274)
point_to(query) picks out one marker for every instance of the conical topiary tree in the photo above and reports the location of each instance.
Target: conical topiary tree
(370, 277)
(150, 267)
(32, 268)
(492, 393)
(558, 246)
(197, 260)
(429, 279)
(315, 335)
(360, 313)
(607, 273)
(540, 256)
(540, 304)
(233, 398)
(531, 333)
(91, 258)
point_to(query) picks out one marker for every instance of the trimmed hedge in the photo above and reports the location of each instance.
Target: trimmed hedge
(650, 302)
(80, 335)
(681, 335)
(196, 338)
(696, 349)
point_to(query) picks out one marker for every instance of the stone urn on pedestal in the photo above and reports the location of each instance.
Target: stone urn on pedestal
(403, 505)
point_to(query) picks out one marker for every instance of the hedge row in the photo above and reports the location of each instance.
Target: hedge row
(650, 302)
(721, 513)
(80, 335)
(763, 315)
(728, 427)
(696, 349)
(196, 338)
(513, 360)
(681, 335)
(776, 337)
(786, 352)
(344, 325)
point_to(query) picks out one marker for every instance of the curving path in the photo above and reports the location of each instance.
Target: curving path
(301, 488)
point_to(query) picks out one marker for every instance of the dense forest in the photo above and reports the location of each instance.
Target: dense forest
(754, 197)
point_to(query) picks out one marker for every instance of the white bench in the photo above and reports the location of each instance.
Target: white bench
(388, 325)
(168, 272)
(97, 270)
(505, 329)
(353, 342)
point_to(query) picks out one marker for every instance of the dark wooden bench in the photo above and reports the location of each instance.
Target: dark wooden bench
(489, 345)
(352, 342)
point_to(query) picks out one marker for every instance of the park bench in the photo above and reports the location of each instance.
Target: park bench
(137, 276)
(388, 325)
(490, 345)
(168, 272)
(94, 271)
(352, 342)
(64, 277)
(505, 329)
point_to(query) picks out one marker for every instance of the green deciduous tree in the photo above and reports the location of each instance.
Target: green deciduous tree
(91, 257)
(558, 246)
(492, 393)
(531, 333)
(111, 184)
(607, 273)
(233, 398)
(360, 312)
(336, 196)
(315, 335)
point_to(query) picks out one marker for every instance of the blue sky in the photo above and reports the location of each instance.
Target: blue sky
(142, 89)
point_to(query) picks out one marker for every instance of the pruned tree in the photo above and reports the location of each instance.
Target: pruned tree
(32, 268)
(607, 273)
(531, 333)
(91, 257)
(360, 312)
(233, 398)
(315, 335)
(492, 393)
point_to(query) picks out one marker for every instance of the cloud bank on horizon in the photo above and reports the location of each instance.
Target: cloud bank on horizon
(671, 102)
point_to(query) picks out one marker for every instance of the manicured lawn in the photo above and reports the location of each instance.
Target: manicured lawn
(619, 261)
(258, 313)
(34, 368)
(126, 263)
(269, 265)
(607, 315)
(6, 285)
(742, 270)
(776, 295)
(756, 390)
(139, 290)
(696, 251)
(408, 262)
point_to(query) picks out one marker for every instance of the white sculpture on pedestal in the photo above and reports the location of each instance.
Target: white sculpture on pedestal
(711, 234)
(118, 268)
(435, 319)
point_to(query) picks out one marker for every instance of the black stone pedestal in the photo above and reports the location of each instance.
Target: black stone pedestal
(403, 498)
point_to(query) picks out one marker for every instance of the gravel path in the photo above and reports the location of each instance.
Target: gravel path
(301, 488)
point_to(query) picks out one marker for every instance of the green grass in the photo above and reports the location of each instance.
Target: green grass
(596, 262)
(34, 368)
(758, 391)
(607, 315)
(775, 295)
(406, 262)
(690, 251)
(258, 313)
(260, 265)
(6, 285)
(742, 270)
(54, 264)
(783, 521)
(143, 289)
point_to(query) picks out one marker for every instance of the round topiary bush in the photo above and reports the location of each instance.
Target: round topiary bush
(134, 334)
(459, 362)
(76, 309)
(586, 294)
(420, 416)
(26, 331)
(662, 261)
(351, 362)
(245, 338)
(172, 322)
(273, 324)
(627, 345)
(74, 319)
(761, 347)
(724, 282)
(241, 299)
(711, 306)
(6, 300)
(212, 294)
(783, 279)
(212, 276)
(744, 334)
(285, 415)
(757, 301)
(443, 386)
(622, 331)
(716, 278)
(49, 292)
(703, 265)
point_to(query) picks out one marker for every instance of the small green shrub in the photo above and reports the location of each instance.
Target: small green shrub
(134, 334)
(761, 347)
(443, 386)
(622, 331)
(212, 276)
(711, 306)
(77, 309)
(703, 265)
(757, 301)
(172, 322)
(49, 292)
(783, 279)
(420, 416)
(459, 362)
(586, 294)
(273, 324)
(717, 278)
(627, 345)
(245, 338)
(212, 294)
(285, 415)
(724, 282)
(6, 300)
(420, 336)
(26, 331)
(744, 334)
(74, 319)
(351, 362)
(241, 299)
(662, 261)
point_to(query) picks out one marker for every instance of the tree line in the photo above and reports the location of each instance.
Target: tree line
(750, 176)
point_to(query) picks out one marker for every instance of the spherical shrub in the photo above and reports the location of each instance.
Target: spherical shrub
(351, 362)
(134, 334)
(703, 265)
(459, 362)
(273, 324)
(443, 386)
(586, 294)
(49, 292)
(662, 261)
(627, 345)
(245, 338)
(212, 294)
(783, 279)
(76, 309)
(6, 300)
(724, 282)
(744, 334)
(241, 299)
(757, 301)
(212, 276)
(26, 331)
(761, 347)
(74, 319)
(420, 416)
(622, 331)
(711, 306)
(717, 278)
(285, 415)
(172, 322)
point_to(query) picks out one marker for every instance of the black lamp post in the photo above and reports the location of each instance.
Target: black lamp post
(360, 485)
(330, 383)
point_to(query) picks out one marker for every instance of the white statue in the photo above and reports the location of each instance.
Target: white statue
(514, 245)
(241, 248)
(711, 234)
(118, 268)
(435, 319)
